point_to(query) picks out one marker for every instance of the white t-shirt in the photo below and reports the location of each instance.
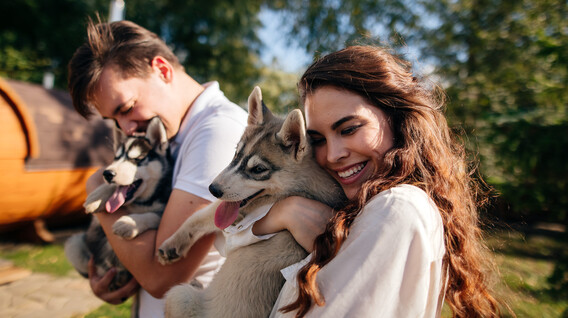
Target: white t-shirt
(204, 145)
(390, 265)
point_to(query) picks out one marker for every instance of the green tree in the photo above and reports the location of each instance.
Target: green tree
(503, 63)
(328, 25)
(41, 35)
(279, 91)
(216, 40)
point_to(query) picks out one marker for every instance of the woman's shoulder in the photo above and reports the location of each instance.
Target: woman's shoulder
(404, 194)
(404, 203)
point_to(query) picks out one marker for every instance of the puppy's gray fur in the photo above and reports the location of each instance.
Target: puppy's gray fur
(142, 170)
(273, 160)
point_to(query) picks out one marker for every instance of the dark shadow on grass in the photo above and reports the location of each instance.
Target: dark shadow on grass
(536, 243)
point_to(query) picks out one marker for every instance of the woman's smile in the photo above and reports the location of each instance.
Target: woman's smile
(350, 135)
(351, 173)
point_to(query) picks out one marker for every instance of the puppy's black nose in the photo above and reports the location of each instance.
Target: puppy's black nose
(109, 175)
(215, 191)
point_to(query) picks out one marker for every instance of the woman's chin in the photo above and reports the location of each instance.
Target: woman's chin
(350, 192)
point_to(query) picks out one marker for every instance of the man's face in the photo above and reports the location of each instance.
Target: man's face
(133, 101)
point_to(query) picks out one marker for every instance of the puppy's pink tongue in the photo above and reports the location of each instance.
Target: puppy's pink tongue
(117, 199)
(226, 214)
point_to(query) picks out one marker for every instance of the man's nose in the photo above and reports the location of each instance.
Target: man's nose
(127, 126)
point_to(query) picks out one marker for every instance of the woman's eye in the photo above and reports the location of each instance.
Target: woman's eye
(317, 141)
(349, 130)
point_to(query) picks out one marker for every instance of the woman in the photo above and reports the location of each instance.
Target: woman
(409, 234)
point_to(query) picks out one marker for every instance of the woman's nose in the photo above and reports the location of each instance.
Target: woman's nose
(336, 151)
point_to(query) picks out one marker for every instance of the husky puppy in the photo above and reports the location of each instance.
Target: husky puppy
(273, 160)
(139, 180)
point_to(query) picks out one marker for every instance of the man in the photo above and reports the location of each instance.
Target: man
(128, 74)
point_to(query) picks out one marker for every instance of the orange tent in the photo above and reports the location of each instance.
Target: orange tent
(47, 152)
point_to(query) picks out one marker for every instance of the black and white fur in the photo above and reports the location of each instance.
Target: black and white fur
(273, 160)
(139, 181)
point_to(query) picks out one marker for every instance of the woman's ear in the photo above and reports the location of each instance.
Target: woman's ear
(163, 68)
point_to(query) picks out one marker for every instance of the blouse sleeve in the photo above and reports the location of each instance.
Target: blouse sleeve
(391, 263)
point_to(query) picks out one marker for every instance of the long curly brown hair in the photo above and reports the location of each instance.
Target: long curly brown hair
(425, 154)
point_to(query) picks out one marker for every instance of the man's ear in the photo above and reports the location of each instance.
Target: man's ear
(163, 68)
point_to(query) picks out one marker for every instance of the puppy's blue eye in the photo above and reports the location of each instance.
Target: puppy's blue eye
(258, 169)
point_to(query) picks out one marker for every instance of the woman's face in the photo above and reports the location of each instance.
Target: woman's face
(349, 135)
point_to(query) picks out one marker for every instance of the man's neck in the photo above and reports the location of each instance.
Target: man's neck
(190, 90)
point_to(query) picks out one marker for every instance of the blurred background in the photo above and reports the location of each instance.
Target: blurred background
(503, 64)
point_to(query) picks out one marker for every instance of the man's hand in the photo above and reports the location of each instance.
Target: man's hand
(99, 286)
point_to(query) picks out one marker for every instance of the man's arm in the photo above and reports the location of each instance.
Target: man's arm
(139, 254)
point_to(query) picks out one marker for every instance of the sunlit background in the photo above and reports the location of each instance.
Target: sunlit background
(503, 64)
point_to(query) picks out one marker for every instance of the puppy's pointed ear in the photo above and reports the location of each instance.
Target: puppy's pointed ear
(118, 137)
(156, 133)
(258, 112)
(293, 134)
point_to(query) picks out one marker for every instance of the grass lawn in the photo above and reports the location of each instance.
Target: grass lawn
(524, 263)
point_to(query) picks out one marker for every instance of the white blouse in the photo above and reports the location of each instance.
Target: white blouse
(390, 265)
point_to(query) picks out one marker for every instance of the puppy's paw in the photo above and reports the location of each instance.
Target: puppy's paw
(125, 227)
(174, 248)
(93, 206)
(96, 200)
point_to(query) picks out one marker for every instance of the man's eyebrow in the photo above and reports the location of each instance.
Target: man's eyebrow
(117, 109)
(341, 121)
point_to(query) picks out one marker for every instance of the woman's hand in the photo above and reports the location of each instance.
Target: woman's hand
(305, 219)
(99, 285)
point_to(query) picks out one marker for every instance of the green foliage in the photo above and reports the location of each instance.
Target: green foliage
(279, 91)
(48, 259)
(112, 311)
(525, 263)
(325, 26)
(215, 40)
(505, 64)
(526, 162)
(41, 35)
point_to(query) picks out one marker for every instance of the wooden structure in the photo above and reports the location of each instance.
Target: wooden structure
(47, 152)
